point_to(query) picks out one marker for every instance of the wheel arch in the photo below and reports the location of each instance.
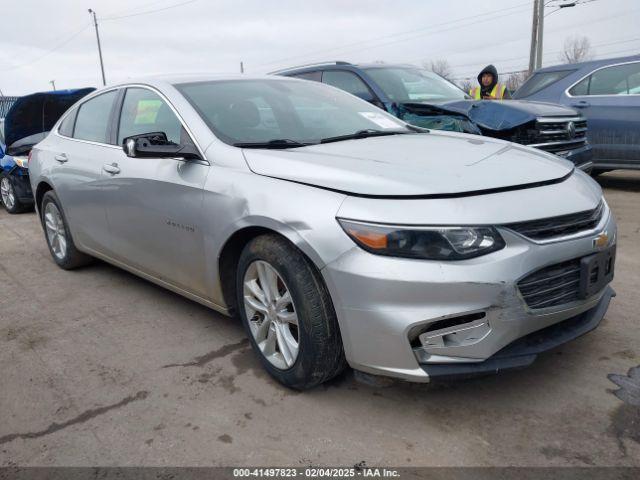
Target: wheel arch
(236, 241)
(43, 187)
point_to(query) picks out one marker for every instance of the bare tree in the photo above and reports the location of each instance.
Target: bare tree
(516, 79)
(576, 49)
(441, 67)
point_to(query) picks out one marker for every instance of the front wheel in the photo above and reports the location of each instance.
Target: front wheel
(288, 314)
(8, 195)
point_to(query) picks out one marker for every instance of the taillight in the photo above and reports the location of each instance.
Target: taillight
(29, 156)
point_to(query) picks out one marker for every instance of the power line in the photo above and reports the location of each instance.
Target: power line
(520, 39)
(147, 12)
(50, 51)
(408, 32)
(598, 57)
(125, 11)
(549, 53)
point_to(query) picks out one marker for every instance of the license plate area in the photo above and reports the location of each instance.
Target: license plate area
(596, 271)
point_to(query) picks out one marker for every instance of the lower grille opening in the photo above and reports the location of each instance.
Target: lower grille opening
(442, 324)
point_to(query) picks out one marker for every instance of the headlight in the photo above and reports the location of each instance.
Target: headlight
(431, 243)
(22, 161)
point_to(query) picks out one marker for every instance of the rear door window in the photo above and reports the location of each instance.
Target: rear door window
(616, 80)
(93, 117)
(143, 111)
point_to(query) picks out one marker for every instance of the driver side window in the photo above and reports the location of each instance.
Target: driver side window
(143, 111)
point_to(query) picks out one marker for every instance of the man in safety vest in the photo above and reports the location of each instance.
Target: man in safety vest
(489, 88)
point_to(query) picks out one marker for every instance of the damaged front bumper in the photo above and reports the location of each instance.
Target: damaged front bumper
(525, 350)
(415, 320)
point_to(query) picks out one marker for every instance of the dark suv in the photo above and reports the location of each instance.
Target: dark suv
(425, 99)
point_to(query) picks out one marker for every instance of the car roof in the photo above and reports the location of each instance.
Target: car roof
(589, 64)
(174, 79)
(339, 65)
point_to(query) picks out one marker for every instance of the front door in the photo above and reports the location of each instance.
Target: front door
(154, 205)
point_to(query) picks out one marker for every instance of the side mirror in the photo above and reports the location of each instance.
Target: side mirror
(156, 145)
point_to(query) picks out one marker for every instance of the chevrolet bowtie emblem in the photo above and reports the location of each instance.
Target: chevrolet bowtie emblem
(601, 240)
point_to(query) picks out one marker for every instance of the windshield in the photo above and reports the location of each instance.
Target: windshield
(289, 112)
(539, 81)
(407, 84)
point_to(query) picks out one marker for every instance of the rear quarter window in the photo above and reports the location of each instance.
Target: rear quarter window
(66, 127)
(92, 120)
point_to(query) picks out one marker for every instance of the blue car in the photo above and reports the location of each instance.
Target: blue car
(607, 92)
(425, 99)
(27, 122)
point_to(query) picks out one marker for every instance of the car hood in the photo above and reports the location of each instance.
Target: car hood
(430, 164)
(37, 113)
(491, 114)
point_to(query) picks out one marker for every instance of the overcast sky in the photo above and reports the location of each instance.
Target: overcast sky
(54, 40)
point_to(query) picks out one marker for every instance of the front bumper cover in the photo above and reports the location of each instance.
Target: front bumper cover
(384, 303)
(524, 351)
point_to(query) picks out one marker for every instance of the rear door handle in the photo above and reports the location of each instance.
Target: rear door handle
(112, 169)
(581, 104)
(62, 158)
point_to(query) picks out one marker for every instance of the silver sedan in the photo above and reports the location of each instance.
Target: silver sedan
(336, 232)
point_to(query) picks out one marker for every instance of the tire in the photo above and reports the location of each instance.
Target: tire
(8, 196)
(320, 354)
(53, 219)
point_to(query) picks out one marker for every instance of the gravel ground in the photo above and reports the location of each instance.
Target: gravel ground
(99, 367)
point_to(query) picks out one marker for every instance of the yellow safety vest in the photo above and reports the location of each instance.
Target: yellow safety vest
(496, 94)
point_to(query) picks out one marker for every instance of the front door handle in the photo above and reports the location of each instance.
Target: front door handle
(581, 104)
(62, 158)
(112, 169)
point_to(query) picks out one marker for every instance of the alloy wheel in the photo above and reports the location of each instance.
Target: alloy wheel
(7, 193)
(271, 314)
(56, 233)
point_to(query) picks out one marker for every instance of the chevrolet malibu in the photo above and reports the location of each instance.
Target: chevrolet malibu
(336, 232)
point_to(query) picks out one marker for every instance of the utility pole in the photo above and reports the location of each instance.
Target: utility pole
(534, 37)
(53, 84)
(95, 24)
(241, 67)
(540, 33)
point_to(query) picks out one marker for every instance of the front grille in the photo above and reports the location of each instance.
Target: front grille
(561, 226)
(554, 134)
(552, 286)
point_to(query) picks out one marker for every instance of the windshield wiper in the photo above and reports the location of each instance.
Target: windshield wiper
(364, 134)
(275, 143)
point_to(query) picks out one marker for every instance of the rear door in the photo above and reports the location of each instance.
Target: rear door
(80, 149)
(610, 99)
(154, 205)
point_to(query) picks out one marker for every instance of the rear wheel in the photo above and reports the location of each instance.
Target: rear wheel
(8, 195)
(56, 230)
(288, 314)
